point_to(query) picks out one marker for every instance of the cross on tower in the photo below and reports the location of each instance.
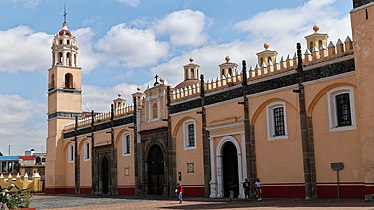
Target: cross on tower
(156, 83)
(65, 13)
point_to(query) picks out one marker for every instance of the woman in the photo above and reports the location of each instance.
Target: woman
(258, 187)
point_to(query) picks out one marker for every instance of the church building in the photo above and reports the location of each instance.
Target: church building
(301, 123)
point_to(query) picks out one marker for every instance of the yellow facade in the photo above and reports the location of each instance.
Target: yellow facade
(198, 133)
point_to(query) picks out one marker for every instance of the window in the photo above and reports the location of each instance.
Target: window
(126, 140)
(230, 71)
(68, 81)
(269, 59)
(311, 46)
(277, 121)
(341, 109)
(71, 153)
(86, 150)
(192, 74)
(261, 61)
(189, 135)
(222, 72)
(154, 111)
(319, 44)
(186, 74)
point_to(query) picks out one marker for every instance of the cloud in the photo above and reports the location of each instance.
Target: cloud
(22, 124)
(88, 58)
(25, 3)
(22, 49)
(283, 28)
(185, 27)
(132, 47)
(133, 3)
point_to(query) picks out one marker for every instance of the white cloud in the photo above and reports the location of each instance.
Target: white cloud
(132, 47)
(22, 124)
(25, 3)
(132, 3)
(185, 27)
(22, 49)
(88, 58)
(283, 28)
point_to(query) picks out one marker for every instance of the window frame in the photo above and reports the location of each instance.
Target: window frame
(186, 142)
(270, 120)
(126, 148)
(86, 150)
(71, 153)
(332, 109)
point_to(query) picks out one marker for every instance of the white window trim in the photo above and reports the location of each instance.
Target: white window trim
(71, 153)
(85, 150)
(185, 134)
(124, 145)
(270, 120)
(332, 108)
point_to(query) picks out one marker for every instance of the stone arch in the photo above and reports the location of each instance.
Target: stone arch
(219, 161)
(69, 81)
(80, 144)
(160, 183)
(264, 104)
(322, 92)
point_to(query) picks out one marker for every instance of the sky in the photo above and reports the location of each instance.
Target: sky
(123, 44)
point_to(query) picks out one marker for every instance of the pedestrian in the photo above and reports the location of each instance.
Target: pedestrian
(246, 187)
(232, 188)
(258, 187)
(179, 191)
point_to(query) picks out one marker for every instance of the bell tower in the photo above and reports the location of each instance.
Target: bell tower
(64, 103)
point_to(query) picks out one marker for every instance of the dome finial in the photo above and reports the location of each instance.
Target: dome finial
(315, 28)
(266, 45)
(191, 60)
(119, 95)
(227, 58)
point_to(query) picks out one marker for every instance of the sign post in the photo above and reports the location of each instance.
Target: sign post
(337, 166)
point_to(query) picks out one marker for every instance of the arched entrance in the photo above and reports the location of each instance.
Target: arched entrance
(104, 179)
(230, 168)
(155, 171)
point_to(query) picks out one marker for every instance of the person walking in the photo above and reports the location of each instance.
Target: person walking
(258, 187)
(246, 187)
(179, 190)
(232, 188)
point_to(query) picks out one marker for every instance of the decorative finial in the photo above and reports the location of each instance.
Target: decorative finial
(315, 28)
(138, 89)
(227, 58)
(191, 60)
(162, 80)
(266, 45)
(119, 95)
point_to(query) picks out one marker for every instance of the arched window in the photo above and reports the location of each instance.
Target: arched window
(68, 81)
(223, 72)
(277, 120)
(154, 111)
(341, 109)
(311, 46)
(86, 150)
(186, 75)
(67, 42)
(68, 59)
(71, 153)
(192, 74)
(230, 71)
(269, 59)
(51, 84)
(319, 44)
(60, 57)
(126, 142)
(261, 61)
(189, 131)
(60, 41)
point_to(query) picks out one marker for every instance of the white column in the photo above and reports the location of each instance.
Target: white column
(76, 59)
(213, 182)
(150, 114)
(219, 176)
(240, 166)
(64, 57)
(159, 108)
(72, 58)
(244, 154)
(56, 58)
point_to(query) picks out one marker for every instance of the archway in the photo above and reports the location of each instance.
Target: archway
(104, 179)
(155, 171)
(230, 168)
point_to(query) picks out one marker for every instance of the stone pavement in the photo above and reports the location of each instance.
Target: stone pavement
(70, 202)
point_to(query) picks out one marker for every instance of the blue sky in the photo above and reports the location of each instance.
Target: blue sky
(124, 43)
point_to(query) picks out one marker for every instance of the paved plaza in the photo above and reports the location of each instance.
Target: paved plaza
(69, 202)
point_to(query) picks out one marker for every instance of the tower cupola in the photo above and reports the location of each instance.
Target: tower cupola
(227, 68)
(316, 40)
(266, 56)
(64, 47)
